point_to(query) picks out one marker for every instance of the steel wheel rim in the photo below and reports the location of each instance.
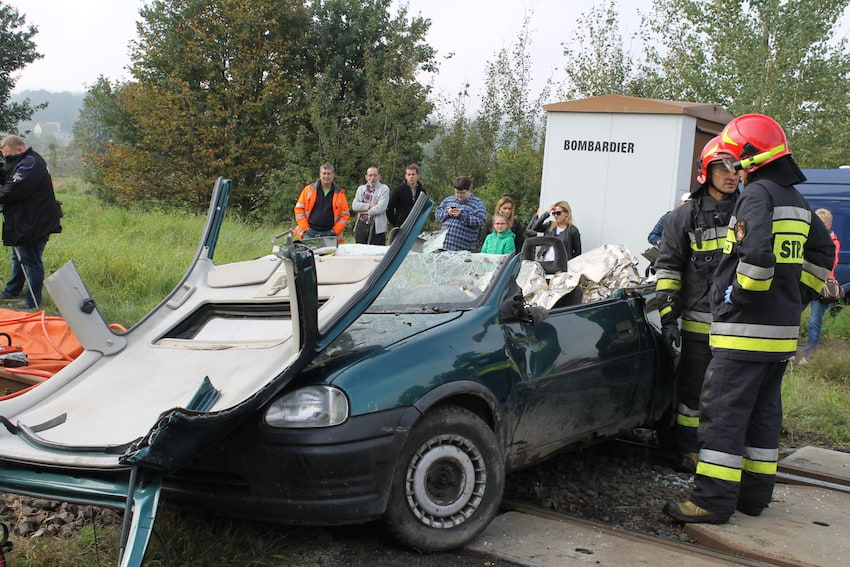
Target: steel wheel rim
(445, 481)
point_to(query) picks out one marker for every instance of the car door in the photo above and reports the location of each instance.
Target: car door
(580, 373)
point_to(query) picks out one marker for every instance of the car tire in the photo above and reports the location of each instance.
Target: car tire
(448, 481)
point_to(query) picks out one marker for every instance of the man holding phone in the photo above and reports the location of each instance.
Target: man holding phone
(462, 214)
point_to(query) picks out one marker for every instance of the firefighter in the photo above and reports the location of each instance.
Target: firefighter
(775, 259)
(694, 234)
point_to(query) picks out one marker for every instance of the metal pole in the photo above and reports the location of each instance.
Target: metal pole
(26, 276)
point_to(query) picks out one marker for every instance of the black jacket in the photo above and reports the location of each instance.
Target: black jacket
(30, 210)
(571, 236)
(401, 203)
(693, 239)
(776, 257)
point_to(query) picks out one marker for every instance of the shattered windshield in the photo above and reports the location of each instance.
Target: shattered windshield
(435, 282)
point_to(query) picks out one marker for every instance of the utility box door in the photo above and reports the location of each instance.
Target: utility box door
(619, 172)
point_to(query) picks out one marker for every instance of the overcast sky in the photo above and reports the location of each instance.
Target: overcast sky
(83, 39)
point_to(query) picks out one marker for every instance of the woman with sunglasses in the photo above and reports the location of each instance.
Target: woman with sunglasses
(558, 221)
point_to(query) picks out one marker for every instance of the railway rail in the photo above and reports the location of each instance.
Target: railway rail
(787, 473)
(688, 549)
(791, 473)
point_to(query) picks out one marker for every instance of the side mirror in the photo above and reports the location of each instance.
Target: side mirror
(537, 314)
(514, 308)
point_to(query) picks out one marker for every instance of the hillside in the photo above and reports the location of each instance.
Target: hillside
(62, 110)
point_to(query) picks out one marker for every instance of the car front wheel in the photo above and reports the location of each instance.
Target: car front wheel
(448, 483)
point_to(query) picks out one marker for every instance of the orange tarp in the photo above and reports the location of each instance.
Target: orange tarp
(47, 341)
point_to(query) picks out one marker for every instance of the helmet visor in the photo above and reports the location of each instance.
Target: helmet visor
(731, 164)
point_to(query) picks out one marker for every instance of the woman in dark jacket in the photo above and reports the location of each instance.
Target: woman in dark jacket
(558, 221)
(505, 205)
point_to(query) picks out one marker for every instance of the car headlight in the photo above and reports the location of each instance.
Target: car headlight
(312, 406)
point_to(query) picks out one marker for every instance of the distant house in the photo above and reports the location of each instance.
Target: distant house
(44, 128)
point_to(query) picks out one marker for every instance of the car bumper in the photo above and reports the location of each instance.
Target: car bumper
(336, 475)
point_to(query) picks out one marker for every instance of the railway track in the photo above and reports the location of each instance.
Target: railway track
(793, 473)
(787, 473)
(687, 549)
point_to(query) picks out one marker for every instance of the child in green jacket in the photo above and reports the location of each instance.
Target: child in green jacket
(501, 240)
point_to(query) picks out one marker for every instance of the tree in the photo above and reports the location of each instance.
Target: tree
(510, 115)
(785, 63)
(459, 149)
(213, 89)
(102, 123)
(600, 65)
(17, 50)
(774, 57)
(363, 103)
(262, 92)
(501, 148)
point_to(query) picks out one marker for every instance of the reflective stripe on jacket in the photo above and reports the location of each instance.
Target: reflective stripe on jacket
(306, 202)
(691, 244)
(776, 260)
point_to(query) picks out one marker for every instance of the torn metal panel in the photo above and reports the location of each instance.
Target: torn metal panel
(600, 272)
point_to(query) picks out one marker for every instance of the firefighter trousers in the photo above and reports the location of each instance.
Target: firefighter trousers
(740, 420)
(690, 374)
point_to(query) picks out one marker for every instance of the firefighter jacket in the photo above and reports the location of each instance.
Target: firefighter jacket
(691, 246)
(306, 202)
(776, 260)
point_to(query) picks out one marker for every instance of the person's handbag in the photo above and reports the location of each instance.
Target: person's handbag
(831, 292)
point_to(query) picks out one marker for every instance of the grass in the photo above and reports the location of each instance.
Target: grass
(816, 397)
(816, 406)
(181, 538)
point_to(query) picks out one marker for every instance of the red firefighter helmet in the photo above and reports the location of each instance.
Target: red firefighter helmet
(755, 140)
(713, 151)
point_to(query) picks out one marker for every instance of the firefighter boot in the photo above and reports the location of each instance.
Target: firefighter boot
(687, 463)
(749, 508)
(689, 513)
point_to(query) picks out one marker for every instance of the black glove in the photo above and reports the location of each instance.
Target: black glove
(670, 336)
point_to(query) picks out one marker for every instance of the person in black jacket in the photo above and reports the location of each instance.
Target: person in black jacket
(403, 196)
(694, 237)
(30, 215)
(558, 221)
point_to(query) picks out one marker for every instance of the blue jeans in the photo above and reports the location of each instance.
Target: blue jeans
(815, 319)
(30, 262)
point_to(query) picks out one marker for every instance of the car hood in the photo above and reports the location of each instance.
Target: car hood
(370, 334)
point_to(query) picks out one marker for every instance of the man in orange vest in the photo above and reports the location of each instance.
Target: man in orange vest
(321, 209)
